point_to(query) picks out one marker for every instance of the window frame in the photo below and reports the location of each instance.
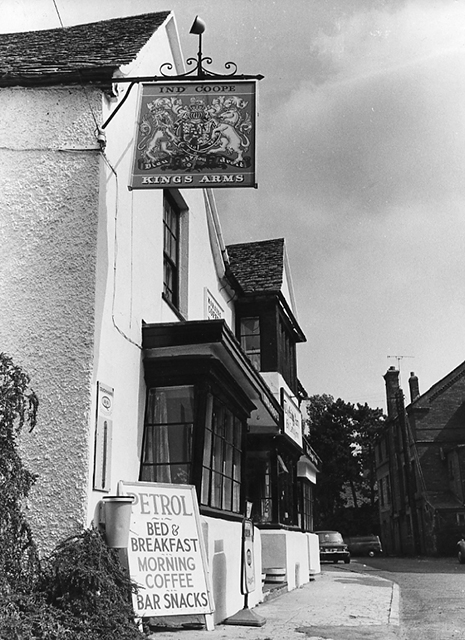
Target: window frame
(277, 341)
(254, 354)
(307, 502)
(203, 389)
(171, 232)
(163, 432)
(229, 448)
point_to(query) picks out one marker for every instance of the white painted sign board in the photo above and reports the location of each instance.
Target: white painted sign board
(103, 436)
(166, 552)
(292, 418)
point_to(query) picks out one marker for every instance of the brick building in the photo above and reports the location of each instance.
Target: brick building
(421, 466)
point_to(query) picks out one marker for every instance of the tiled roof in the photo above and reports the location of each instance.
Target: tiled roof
(83, 52)
(258, 266)
(425, 399)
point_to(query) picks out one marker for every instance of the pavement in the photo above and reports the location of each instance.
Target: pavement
(340, 604)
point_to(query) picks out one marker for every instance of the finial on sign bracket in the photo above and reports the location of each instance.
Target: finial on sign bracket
(197, 28)
(199, 72)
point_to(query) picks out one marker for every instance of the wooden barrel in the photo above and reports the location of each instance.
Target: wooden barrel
(276, 574)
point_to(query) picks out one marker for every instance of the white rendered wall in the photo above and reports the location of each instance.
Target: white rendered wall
(49, 168)
(129, 282)
(223, 541)
(289, 550)
(81, 268)
(313, 553)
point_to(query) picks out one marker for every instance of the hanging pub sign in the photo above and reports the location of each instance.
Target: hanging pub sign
(292, 418)
(195, 134)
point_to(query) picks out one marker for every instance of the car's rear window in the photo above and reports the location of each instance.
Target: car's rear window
(330, 536)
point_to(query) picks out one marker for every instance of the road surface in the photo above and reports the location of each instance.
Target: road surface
(432, 594)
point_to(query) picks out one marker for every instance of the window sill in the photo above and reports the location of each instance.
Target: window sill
(173, 308)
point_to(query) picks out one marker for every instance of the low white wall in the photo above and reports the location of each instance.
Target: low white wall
(313, 553)
(295, 551)
(223, 542)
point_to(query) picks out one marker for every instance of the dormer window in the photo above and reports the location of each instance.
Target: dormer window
(250, 339)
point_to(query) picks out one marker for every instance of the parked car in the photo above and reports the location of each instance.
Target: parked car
(364, 545)
(332, 547)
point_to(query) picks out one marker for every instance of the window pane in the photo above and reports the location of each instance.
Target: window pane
(218, 419)
(229, 427)
(216, 490)
(237, 433)
(236, 505)
(168, 281)
(170, 251)
(250, 339)
(237, 465)
(207, 448)
(255, 360)
(228, 461)
(205, 493)
(250, 326)
(147, 474)
(180, 473)
(251, 343)
(174, 404)
(227, 494)
(168, 433)
(221, 474)
(180, 439)
(171, 248)
(217, 462)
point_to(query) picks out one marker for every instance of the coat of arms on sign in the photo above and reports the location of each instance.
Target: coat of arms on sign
(195, 134)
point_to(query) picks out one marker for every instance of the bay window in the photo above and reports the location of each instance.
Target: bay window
(188, 427)
(222, 458)
(167, 449)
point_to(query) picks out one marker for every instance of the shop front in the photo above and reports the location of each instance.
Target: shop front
(281, 475)
(201, 393)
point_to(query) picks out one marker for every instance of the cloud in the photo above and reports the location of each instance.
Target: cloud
(367, 42)
(382, 134)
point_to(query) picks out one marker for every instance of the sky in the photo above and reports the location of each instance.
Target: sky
(360, 167)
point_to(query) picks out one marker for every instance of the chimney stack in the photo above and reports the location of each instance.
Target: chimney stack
(392, 387)
(414, 386)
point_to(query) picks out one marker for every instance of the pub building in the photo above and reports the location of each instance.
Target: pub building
(158, 354)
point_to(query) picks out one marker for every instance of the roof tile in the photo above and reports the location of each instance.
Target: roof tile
(258, 266)
(93, 51)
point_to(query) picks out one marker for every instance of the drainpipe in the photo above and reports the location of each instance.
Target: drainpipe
(219, 248)
(219, 251)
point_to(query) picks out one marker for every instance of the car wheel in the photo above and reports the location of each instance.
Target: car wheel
(346, 561)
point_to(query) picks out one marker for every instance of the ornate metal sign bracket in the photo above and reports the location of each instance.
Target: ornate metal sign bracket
(199, 72)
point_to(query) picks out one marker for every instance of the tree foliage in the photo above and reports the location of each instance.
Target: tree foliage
(343, 435)
(81, 592)
(18, 407)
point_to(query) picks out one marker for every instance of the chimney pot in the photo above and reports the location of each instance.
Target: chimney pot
(414, 386)
(392, 387)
